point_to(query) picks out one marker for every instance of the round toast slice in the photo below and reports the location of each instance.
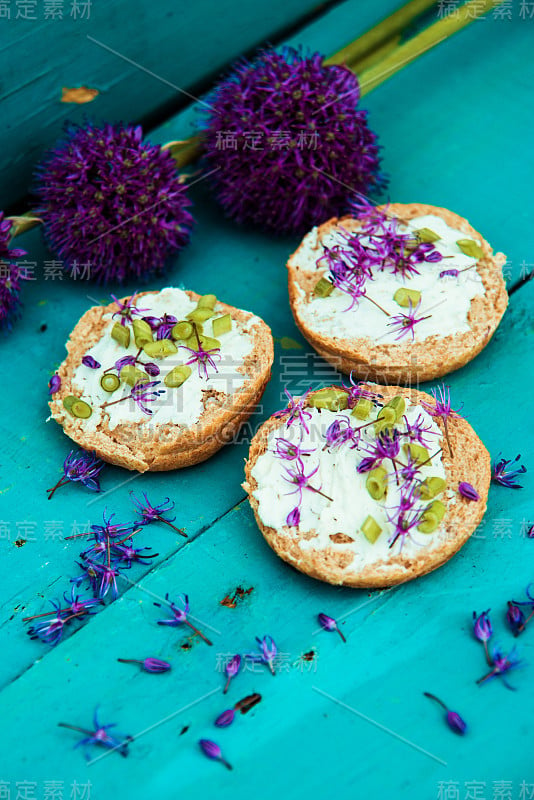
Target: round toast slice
(329, 538)
(181, 425)
(456, 317)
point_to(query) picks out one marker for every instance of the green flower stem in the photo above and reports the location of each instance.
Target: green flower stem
(419, 44)
(378, 37)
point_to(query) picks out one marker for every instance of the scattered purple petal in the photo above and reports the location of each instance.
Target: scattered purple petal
(468, 491)
(507, 477)
(213, 751)
(92, 363)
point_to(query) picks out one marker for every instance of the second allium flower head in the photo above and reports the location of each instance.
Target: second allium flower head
(287, 141)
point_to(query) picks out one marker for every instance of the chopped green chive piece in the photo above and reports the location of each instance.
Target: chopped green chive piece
(177, 376)
(121, 334)
(431, 487)
(182, 330)
(207, 342)
(333, 399)
(81, 409)
(377, 483)
(398, 404)
(386, 418)
(323, 288)
(419, 453)
(142, 332)
(207, 301)
(362, 409)
(403, 297)
(427, 235)
(160, 348)
(371, 529)
(222, 325)
(201, 314)
(110, 382)
(131, 375)
(68, 401)
(470, 248)
(432, 516)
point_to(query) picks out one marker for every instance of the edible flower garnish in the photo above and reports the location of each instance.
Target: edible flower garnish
(180, 615)
(99, 737)
(507, 477)
(329, 624)
(80, 467)
(452, 718)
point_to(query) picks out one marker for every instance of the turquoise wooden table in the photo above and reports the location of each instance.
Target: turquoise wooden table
(345, 718)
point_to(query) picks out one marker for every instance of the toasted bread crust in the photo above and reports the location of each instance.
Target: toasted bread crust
(431, 358)
(166, 446)
(471, 463)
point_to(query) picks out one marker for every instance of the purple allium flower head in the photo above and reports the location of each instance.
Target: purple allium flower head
(225, 719)
(81, 467)
(452, 718)
(329, 624)
(54, 384)
(507, 477)
(315, 145)
(92, 363)
(515, 618)
(232, 668)
(113, 202)
(404, 324)
(99, 737)
(151, 513)
(482, 627)
(449, 273)
(10, 277)
(296, 410)
(267, 652)
(154, 665)
(468, 491)
(213, 751)
(293, 518)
